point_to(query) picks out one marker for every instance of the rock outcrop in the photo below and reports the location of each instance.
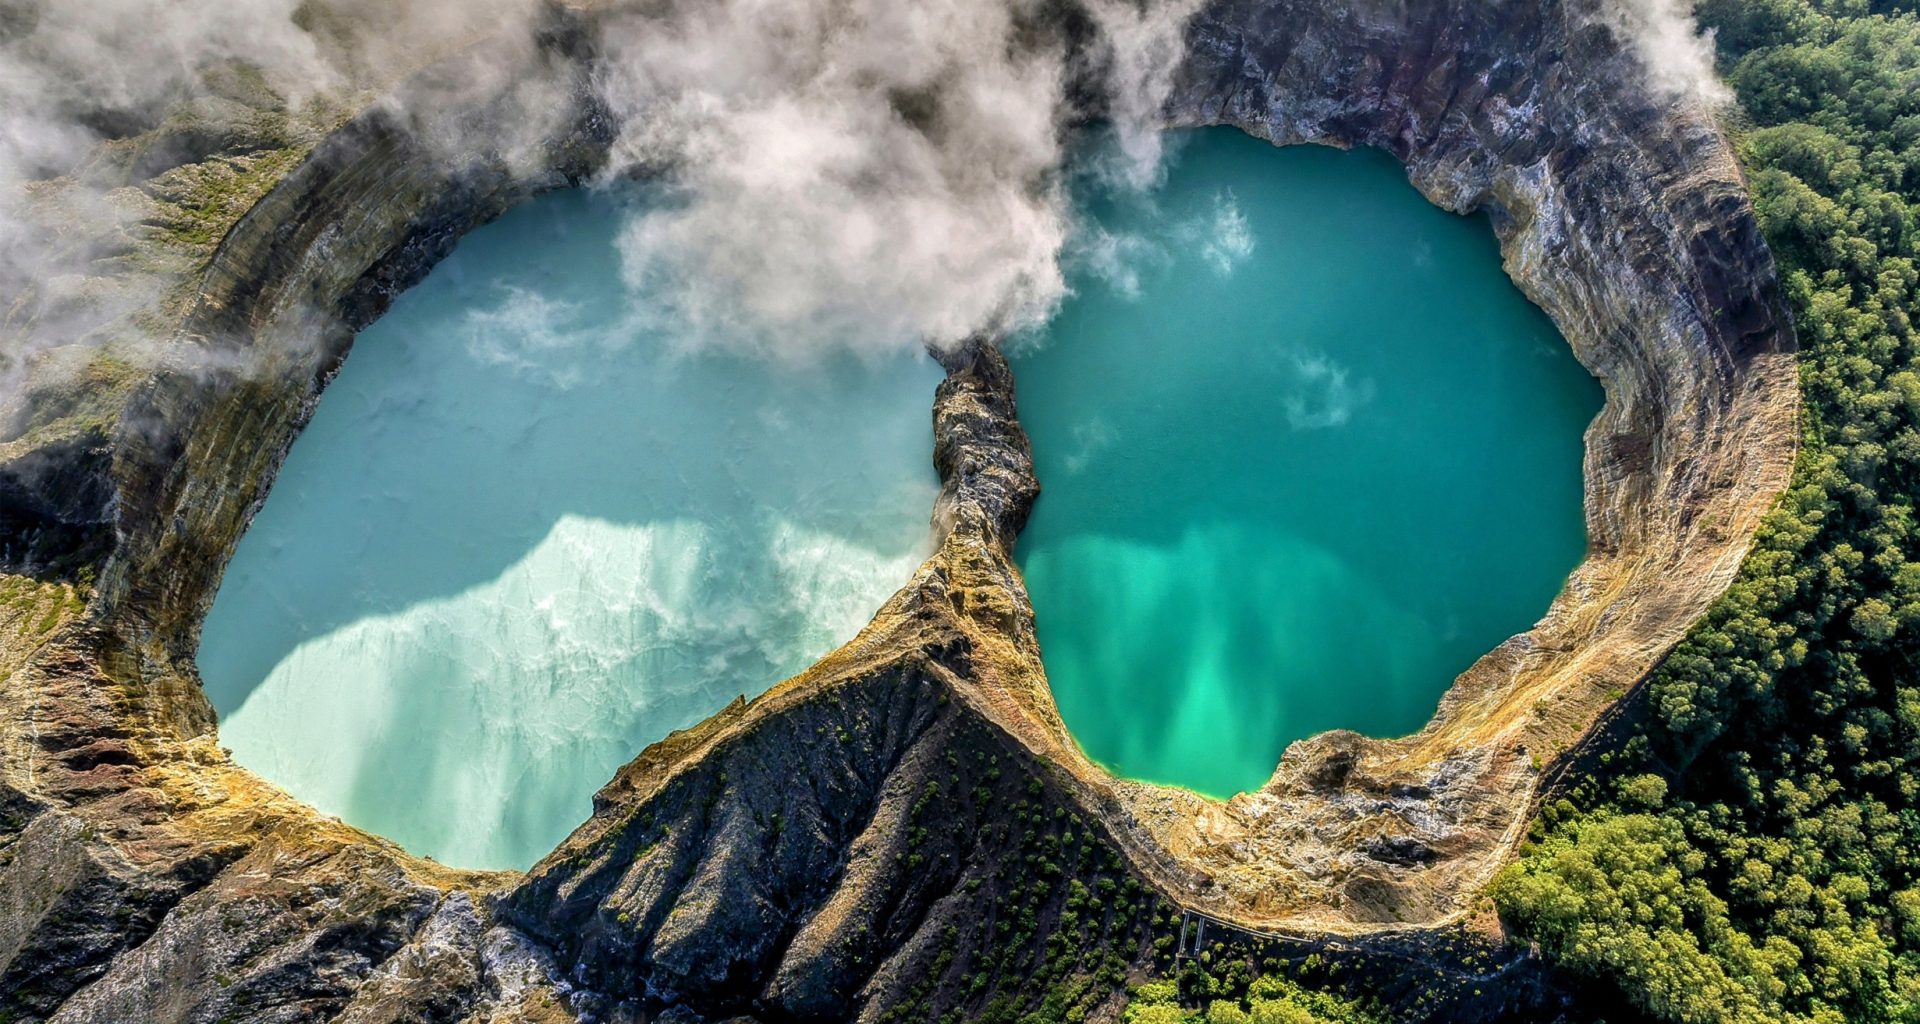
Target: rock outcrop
(905, 829)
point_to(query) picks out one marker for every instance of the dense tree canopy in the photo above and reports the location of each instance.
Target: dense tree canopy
(1757, 856)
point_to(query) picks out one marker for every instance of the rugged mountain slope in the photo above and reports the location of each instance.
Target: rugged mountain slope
(906, 828)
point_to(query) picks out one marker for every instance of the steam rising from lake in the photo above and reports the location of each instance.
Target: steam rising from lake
(858, 175)
(850, 174)
(867, 173)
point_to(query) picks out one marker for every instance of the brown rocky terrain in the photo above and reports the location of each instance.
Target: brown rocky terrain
(905, 829)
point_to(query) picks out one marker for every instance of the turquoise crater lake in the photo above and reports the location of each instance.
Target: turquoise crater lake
(1306, 453)
(525, 535)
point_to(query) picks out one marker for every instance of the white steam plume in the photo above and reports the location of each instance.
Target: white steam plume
(1677, 56)
(867, 173)
(836, 173)
(99, 100)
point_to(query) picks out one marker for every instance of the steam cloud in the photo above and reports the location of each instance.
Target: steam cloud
(1219, 237)
(1677, 56)
(73, 75)
(100, 100)
(864, 173)
(858, 174)
(1324, 396)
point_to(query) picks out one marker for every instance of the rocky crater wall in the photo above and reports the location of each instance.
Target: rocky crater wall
(1623, 215)
(759, 863)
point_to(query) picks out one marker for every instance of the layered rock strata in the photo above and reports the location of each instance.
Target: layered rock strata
(778, 860)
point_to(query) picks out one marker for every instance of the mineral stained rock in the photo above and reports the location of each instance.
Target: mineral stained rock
(905, 828)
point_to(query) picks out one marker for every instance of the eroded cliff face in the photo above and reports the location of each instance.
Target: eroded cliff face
(906, 828)
(1623, 215)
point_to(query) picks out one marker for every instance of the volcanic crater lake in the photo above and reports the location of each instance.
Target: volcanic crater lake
(526, 535)
(1306, 454)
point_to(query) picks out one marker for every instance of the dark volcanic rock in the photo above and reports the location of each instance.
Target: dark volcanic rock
(57, 502)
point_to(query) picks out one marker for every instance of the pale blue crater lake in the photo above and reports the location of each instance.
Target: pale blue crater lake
(1306, 454)
(524, 537)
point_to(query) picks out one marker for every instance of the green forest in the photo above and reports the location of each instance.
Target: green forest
(1757, 855)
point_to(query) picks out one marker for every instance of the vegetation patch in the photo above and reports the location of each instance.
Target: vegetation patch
(1757, 857)
(32, 611)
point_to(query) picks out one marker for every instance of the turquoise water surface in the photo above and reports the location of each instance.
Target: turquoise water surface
(1306, 453)
(523, 538)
